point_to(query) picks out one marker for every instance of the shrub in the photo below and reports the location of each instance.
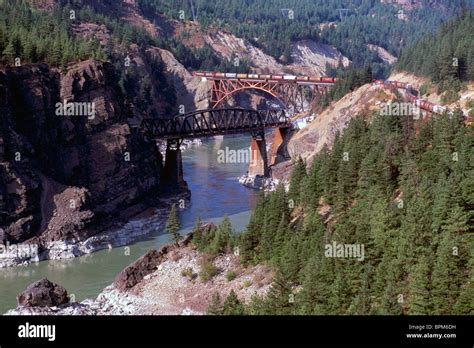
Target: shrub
(246, 283)
(230, 276)
(188, 272)
(208, 270)
(423, 89)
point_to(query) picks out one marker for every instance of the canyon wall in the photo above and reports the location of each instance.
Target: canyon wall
(68, 177)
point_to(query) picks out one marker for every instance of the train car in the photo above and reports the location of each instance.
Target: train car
(219, 74)
(266, 77)
(314, 79)
(399, 84)
(302, 78)
(289, 77)
(199, 73)
(277, 77)
(241, 76)
(209, 74)
(426, 105)
(253, 76)
(230, 75)
(379, 82)
(439, 109)
(328, 79)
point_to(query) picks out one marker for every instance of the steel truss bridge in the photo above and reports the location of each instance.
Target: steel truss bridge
(292, 91)
(212, 122)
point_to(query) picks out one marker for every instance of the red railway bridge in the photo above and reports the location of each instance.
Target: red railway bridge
(293, 91)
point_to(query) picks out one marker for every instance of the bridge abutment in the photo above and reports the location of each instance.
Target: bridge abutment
(258, 150)
(173, 169)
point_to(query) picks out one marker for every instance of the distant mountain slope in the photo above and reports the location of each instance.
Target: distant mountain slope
(446, 57)
(350, 26)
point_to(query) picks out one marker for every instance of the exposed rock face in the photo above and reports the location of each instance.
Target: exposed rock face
(43, 293)
(191, 92)
(134, 273)
(69, 177)
(321, 132)
(146, 264)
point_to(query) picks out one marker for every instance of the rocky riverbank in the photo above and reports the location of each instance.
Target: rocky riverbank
(145, 224)
(162, 282)
(258, 182)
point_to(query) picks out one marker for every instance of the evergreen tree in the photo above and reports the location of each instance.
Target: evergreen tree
(297, 177)
(174, 225)
(232, 305)
(215, 308)
(419, 301)
(221, 241)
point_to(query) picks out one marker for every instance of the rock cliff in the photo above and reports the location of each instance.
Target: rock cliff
(67, 177)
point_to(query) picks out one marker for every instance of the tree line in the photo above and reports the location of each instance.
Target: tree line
(446, 57)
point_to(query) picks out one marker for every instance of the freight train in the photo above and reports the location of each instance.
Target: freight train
(411, 95)
(264, 77)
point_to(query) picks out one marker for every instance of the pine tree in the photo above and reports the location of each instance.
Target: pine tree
(197, 234)
(221, 241)
(451, 258)
(232, 305)
(215, 308)
(249, 240)
(297, 177)
(174, 225)
(419, 302)
(9, 52)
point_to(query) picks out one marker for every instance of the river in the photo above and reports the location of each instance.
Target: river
(215, 192)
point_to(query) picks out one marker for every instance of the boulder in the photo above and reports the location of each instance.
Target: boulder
(43, 293)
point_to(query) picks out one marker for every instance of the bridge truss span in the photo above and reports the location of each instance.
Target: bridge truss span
(292, 91)
(212, 122)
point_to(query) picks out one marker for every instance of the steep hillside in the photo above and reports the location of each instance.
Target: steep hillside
(321, 132)
(446, 57)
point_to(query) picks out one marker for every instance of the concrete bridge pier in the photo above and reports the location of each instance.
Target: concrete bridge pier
(279, 138)
(258, 155)
(173, 169)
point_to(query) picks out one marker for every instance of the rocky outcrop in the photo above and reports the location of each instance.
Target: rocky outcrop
(191, 92)
(321, 132)
(43, 293)
(67, 177)
(166, 291)
(134, 273)
(146, 264)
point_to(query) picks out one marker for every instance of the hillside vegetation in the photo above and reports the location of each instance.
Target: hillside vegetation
(446, 57)
(404, 192)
